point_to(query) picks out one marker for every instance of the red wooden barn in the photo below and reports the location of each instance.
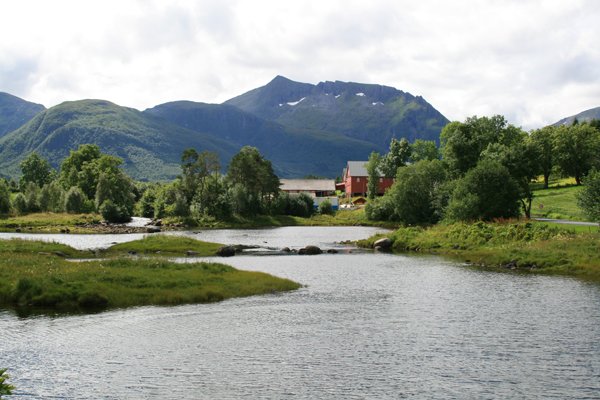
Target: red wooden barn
(355, 178)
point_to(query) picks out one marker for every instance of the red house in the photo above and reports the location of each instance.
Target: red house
(355, 178)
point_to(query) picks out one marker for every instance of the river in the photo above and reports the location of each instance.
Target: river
(365, 326)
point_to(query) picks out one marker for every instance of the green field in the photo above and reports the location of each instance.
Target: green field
(558, 203)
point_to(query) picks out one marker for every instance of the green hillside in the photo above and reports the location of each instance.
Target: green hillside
(14, 112)
(150, 147)
(373, 113)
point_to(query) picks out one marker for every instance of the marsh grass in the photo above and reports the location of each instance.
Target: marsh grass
(526, 246)
(33, 281)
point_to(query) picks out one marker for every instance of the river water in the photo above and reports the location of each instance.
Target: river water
(365, 326)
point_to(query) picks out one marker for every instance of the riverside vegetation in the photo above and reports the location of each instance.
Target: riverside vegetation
(35, 276)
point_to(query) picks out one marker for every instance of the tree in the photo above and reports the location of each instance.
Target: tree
(521, 160)
(373, 175)
(589, 197)
(74, 200)
(74, 170)
(415, 190)
(463, 142)
(19, 204)
(200, 173)
(31, 193)
(543, 142)
(486, 192)
(423, 150)
(326, 208)
(4, 197)
(117, 188)
(36, 169)
(51, 197)
(577, 149)
(397, 157)
(253, 180)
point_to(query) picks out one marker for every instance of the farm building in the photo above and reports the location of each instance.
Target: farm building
(319, 189)
(355, 179)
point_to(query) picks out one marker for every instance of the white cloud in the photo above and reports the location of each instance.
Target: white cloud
(532, 61)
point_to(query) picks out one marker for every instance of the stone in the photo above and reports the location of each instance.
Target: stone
(152, 229)
(226, 251)
(332, 251)
(286, 250)
(310, 251)
(191, 253)
(384, 243)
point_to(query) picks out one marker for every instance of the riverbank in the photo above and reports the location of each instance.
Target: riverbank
(35, 276)
(92, 223)
(531, 247)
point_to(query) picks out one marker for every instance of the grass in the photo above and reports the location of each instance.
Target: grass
(526, 246)
(165, 246)
(49, 222)
(340, 218)
(32, 281)
(557, 203)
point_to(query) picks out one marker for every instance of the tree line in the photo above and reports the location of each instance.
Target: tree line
(89, 181)
(484, 170)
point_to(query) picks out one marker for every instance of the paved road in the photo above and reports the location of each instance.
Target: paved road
(567, 222)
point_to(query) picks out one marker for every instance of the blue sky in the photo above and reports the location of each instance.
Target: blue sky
(532, 61)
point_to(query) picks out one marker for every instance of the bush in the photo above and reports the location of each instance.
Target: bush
(4, 197)
(485, 192)
(19, 204)
(114, 213)
(5, 388)
(380, 209)
(75, 201)
(326, 208)
(589, 197)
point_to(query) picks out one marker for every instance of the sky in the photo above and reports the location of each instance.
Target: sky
(533, 61)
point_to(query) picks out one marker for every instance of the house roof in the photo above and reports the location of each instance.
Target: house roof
(357, 168)
(308, 185)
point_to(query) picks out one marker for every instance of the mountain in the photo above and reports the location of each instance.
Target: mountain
(293, 152)
(150, 147)
(15, 111)
(373, 113)
(584, 116)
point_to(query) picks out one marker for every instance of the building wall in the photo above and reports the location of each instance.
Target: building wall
(357, 185)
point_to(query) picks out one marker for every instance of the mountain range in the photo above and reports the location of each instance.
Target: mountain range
(584, 116)
(303, 129)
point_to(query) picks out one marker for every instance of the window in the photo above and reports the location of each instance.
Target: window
(357, 179)
(380, 180)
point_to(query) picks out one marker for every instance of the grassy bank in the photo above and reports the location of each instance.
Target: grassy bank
(49, 222)
(35, 276)
(164, 245)
(526, 246)
(340, 218)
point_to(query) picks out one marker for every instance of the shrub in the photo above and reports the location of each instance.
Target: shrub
(19, 204)
(4, 197)
(75, 201)
(589, 197)
(380, 209)
(5, 388)
(326, 208)
(114, 213)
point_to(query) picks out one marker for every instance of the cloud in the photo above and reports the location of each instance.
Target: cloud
(532, 61)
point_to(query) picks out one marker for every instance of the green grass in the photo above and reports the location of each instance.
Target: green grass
(164, 245)
(340, 218)
(558, 203)
(528, 246)
(49, 222)
(40, 282)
